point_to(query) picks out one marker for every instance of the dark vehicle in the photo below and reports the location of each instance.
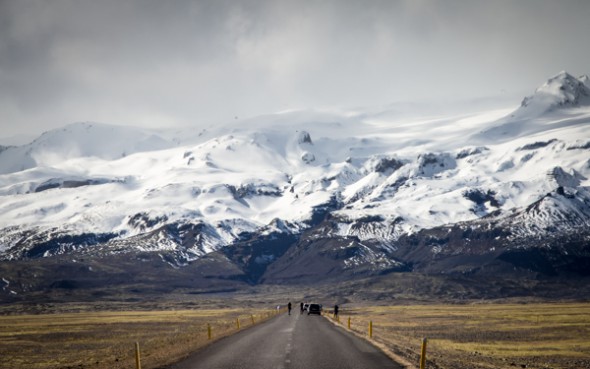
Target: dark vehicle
(314, 309)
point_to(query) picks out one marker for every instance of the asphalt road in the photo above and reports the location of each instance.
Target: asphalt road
(289, 342)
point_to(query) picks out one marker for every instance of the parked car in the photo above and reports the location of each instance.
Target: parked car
(314, 309)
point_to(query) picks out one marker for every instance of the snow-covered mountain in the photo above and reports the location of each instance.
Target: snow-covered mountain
(93, 188)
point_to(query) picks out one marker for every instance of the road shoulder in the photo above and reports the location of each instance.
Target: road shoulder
(380, 345)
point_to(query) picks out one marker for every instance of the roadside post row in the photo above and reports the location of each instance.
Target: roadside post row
(336, 318)
(278, 311)
(253, 320)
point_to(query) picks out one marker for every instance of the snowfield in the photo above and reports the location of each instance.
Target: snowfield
(402, 173)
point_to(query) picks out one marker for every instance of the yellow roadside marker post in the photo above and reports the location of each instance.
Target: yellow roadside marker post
(423, 354)
(252, 317)
(370, 329)
(238, 323)
(348, 322)
(137, 356)
(209, 330)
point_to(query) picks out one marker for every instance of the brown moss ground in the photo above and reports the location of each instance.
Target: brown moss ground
(538, 335)
(106, 339)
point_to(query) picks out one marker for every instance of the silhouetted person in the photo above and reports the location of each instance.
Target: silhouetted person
(302, 308)
(335, 310)
(289, 307)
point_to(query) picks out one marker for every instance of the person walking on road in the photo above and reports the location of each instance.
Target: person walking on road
(289, 307)
(335, 311)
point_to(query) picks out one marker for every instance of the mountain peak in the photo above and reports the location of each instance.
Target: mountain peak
(561, 90)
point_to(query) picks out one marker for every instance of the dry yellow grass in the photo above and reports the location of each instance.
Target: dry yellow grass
(483, 335)
(106, 339)
(460, 336)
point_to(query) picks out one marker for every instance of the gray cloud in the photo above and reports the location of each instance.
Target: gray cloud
(181, 62)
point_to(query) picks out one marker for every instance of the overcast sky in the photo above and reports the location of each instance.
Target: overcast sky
(167, 63)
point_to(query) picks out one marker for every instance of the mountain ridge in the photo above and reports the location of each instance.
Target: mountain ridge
(311, 196)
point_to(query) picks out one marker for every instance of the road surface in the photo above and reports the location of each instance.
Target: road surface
(289, 342)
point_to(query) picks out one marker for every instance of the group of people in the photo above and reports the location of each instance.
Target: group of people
(289, 307)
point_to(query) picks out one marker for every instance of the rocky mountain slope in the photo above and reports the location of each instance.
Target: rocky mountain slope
(303, 196)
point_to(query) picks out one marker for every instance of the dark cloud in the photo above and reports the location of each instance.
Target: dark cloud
(201, 62)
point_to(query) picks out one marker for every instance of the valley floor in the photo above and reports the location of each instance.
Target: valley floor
(476, 335)
(106, 339)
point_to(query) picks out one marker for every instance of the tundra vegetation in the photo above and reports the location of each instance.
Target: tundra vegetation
(494, 335)
(106, 339)
(477, 335)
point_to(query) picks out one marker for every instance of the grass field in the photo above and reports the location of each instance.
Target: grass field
(482, 335)
(106, 339)
(476, 336)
